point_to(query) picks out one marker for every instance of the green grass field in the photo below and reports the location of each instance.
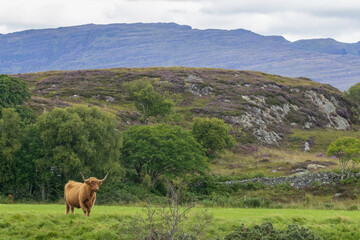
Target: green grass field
(21, 221)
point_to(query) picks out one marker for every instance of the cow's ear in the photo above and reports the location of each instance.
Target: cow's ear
(87, 182)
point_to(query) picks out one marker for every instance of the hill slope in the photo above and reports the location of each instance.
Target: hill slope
(263, 105)
(146, 45)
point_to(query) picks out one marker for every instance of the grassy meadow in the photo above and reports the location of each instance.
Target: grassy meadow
(21, 221)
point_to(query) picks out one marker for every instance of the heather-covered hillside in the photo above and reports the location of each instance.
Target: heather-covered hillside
(265, 106)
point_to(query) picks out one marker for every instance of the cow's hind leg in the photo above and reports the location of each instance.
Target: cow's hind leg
(67, 208)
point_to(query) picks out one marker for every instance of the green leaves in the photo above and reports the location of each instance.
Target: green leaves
(13, 91)
(79, 139)
(161, 150)
(10, 143)
(213, 134)
(148, 101)
(353, 94)
(346, 149)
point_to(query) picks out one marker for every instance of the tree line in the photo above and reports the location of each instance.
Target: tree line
(39, 154)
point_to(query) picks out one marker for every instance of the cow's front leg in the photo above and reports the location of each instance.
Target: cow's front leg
(89, 206)
(83, 206)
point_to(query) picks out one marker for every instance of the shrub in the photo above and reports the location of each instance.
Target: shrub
(268, 232)
(329, 205)
(171, 221)
(252, 202)
(353, 208)
(204, 185)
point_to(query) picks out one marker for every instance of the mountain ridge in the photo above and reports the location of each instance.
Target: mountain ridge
(94, 46)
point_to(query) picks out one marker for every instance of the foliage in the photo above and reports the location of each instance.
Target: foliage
(27, 172)
(148, 101)
(353, 94)
(161, 150)
(346, 149)
(207, 185)
(77, 139)
(213, 134)
(13, 91)
(10, 144)
(26, 115)
(267, 231)
(252, 202)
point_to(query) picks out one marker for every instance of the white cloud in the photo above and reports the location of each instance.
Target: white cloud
(292, 19)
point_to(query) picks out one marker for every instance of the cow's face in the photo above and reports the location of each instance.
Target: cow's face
(93, 183)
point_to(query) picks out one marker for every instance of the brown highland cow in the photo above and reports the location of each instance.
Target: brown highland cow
(82, 195)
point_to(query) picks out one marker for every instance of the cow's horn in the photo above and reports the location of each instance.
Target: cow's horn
(104, 177)
(83, 176)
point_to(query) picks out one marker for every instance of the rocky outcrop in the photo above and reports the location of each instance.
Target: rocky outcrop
(328, 107)
(266, 117)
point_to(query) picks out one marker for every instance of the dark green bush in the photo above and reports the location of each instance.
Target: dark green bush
(348, 180)
(329, 205)
(208, 185)
(252, 202)
(283, 186)
(266, 231)
(250, 186)
(353, 208)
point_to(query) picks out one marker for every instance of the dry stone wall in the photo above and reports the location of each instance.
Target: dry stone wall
(296, 181)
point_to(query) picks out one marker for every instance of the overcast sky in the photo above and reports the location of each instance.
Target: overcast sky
(292, 19)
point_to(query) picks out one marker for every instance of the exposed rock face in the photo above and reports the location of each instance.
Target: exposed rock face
(296, 181)
(265, 120)
(194, 85)
(329, 108)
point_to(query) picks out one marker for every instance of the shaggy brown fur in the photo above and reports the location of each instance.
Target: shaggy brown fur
(82, 195)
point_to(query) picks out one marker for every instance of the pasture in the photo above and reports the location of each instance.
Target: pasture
(23, 221)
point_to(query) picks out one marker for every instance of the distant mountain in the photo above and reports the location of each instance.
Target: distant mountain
(328, 46)
(168, 44)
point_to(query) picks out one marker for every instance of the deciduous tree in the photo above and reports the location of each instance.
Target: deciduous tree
(10, 144)
(147, 100)
(353, 94)
(346, 149)
(13, 91)
(213, 134)
(161, 150)
(77, 139)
